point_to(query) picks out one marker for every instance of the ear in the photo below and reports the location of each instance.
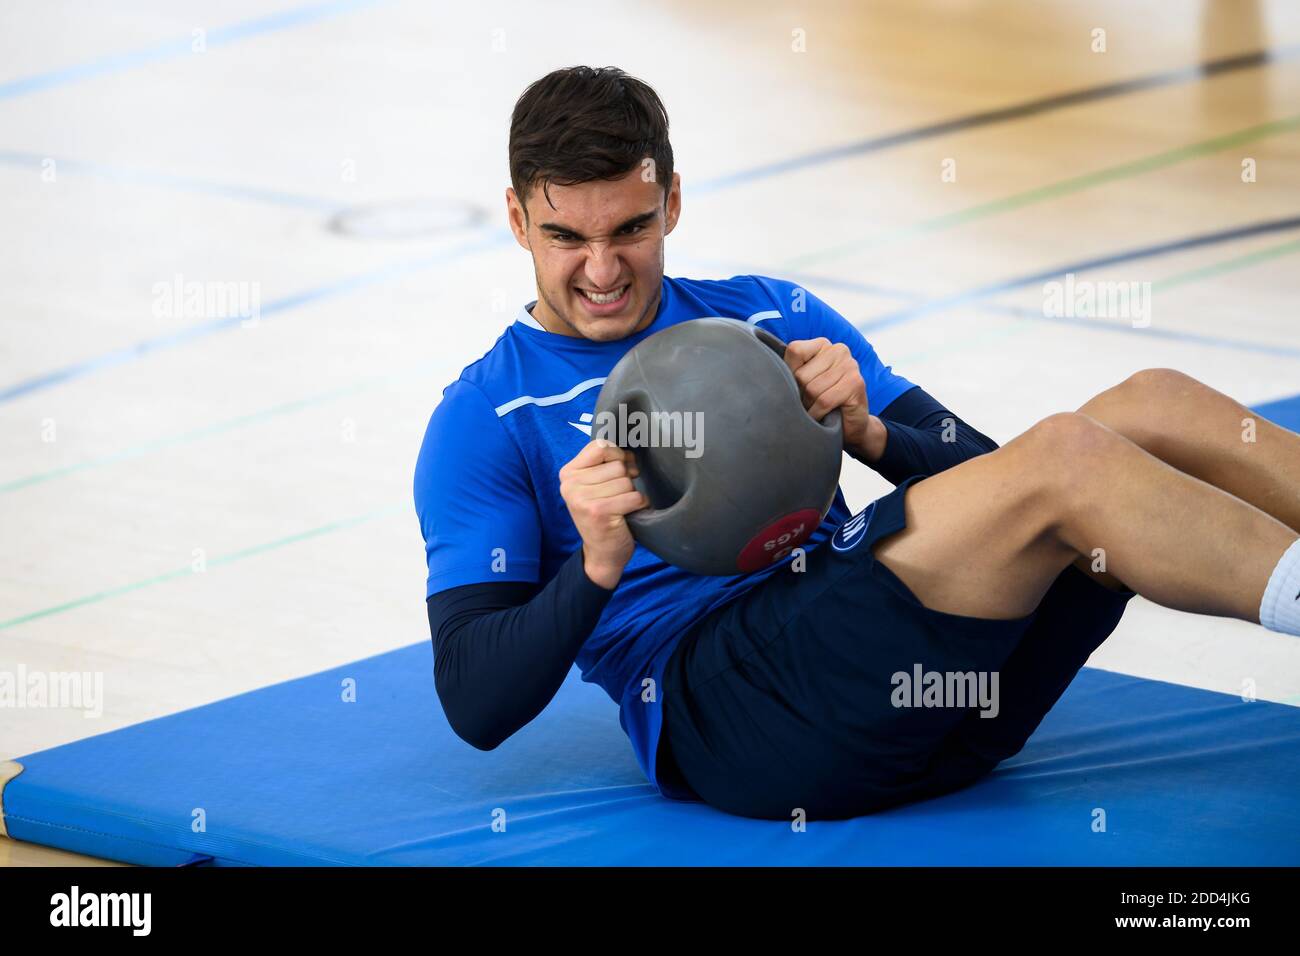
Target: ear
(517, 217)
(673, 203)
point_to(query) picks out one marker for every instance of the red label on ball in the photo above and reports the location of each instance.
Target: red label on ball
(778, 539)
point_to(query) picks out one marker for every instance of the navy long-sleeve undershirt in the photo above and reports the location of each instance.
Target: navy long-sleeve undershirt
(502, 649)
(925, 438)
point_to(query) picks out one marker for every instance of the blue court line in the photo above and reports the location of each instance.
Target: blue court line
(851, 285)
(1191, 338)
(217, 36)
(137, 177)
(1021, 312)
(201, 330)
(1093, 325)
(1007, 285)
(1036, 107)
(1013, 311)
(502, 236)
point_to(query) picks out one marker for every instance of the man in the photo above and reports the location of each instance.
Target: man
(777, 692)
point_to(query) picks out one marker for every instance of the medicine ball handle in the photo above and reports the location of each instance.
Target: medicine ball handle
(831, 419)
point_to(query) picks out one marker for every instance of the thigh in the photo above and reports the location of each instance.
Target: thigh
(978, 539)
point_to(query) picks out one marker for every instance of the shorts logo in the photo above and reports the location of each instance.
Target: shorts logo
(851, 532)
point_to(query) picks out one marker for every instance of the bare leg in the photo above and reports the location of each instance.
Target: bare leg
(1208, 435)
(987, 538)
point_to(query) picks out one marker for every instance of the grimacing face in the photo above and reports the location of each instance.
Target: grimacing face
(598, 252)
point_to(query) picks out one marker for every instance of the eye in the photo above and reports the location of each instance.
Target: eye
(633, 230)
(564, 237)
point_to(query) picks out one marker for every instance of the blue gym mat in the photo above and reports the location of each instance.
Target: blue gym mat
(292, 774)
(1123, 771)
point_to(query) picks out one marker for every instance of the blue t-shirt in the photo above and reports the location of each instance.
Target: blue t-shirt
(487, 487)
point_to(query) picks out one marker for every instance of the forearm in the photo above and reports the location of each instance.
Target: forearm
(497, 666)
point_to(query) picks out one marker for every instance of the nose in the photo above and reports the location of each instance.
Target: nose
(604, 268)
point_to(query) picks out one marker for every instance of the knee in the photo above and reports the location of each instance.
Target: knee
(1146, 391)
(1144, 406)
(1073, 452)
(1072, 434)
(1155, 385)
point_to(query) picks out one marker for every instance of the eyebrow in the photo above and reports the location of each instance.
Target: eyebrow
(555, 227)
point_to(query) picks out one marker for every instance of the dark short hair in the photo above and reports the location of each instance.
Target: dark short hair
(582, 123)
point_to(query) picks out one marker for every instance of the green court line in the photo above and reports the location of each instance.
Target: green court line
(216, 562)
(1054, 190)
(217, 428)
(1228, 265)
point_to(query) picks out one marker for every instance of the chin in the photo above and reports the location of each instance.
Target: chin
(609, 329)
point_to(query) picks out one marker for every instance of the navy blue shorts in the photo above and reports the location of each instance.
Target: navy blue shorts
(792, 696)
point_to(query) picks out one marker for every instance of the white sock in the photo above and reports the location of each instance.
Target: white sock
(1280, 609)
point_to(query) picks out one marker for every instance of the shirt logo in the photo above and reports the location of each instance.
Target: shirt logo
(852, 531)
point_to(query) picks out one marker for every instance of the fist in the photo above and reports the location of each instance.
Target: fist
(597, 489)
(829, 378)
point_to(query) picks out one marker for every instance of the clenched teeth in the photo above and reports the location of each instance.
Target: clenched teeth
(606, 298)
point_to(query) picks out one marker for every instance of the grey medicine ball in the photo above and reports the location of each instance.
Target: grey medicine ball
(737, 472)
